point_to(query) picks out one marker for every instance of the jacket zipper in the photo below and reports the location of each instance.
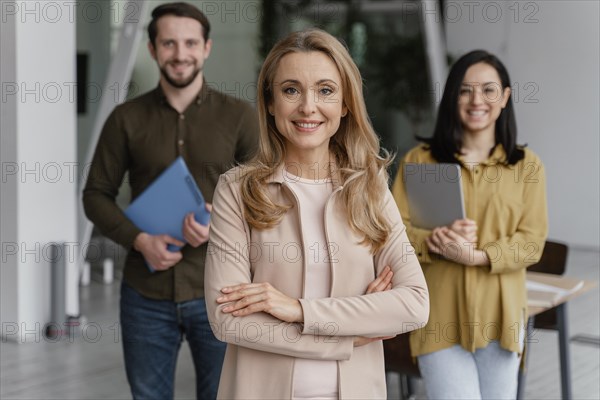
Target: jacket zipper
(304, 268)
(339, 372)
(327, 237)
(299, 215)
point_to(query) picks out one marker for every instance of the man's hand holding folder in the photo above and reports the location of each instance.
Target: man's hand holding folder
(171, 213)
(155, 248)
(193, 232)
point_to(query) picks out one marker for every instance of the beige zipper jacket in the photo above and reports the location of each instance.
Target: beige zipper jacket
(261, 350)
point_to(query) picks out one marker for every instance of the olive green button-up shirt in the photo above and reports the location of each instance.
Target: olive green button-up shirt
(473, 305)
(144, 136)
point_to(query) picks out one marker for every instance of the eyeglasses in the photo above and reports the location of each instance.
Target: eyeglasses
(490, 92)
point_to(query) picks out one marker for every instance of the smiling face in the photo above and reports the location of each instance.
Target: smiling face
(179, 50)
(481, 99)
(307, 104)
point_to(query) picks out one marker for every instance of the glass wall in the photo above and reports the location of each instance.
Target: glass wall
(386, 40)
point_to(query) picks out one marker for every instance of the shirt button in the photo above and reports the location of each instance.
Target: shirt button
(181, 116)
(180, 142)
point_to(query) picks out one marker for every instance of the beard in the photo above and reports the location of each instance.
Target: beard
(180, 83)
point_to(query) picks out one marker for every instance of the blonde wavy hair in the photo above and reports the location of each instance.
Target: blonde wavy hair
(355, 146)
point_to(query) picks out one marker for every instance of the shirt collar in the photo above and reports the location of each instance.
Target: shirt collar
(497, 156)
(201, 97)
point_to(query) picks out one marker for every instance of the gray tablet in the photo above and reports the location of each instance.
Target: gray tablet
(435, 195)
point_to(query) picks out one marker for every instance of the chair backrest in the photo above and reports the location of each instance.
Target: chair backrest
(397, 356)
(554, 259)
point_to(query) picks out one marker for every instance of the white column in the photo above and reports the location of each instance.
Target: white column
(38, 159)
(436, 48)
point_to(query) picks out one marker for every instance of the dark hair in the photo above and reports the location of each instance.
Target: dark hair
(447, 136)
(179, 10)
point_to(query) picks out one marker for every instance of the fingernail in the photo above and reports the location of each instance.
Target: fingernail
(225, 289)
(227, 309)
(219, 298)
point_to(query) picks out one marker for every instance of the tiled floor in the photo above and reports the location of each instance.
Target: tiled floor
(89, 366)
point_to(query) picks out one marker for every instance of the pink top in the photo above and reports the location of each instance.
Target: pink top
(314, 379)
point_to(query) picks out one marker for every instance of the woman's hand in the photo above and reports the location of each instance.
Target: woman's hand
(361, 340)
(380, 284)
(250, 298)
(454, 247)
(467, 228)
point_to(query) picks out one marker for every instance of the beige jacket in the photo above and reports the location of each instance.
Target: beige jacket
(261, 349)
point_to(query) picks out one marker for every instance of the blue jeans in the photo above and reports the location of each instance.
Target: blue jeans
(152, 332)
(455, 373)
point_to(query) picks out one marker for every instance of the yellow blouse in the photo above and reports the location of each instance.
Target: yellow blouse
(473, 305)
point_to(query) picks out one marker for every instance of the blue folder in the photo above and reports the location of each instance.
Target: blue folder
(161, 208)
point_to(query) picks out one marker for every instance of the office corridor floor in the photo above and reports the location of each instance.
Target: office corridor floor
(89, 365)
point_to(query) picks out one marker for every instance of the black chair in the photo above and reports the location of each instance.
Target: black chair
(553, 261)
(397, 350)
(398, 360)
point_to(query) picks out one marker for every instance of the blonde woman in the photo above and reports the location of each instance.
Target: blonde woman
(309, 266)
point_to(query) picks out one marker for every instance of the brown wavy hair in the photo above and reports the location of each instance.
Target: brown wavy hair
(355, 146)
